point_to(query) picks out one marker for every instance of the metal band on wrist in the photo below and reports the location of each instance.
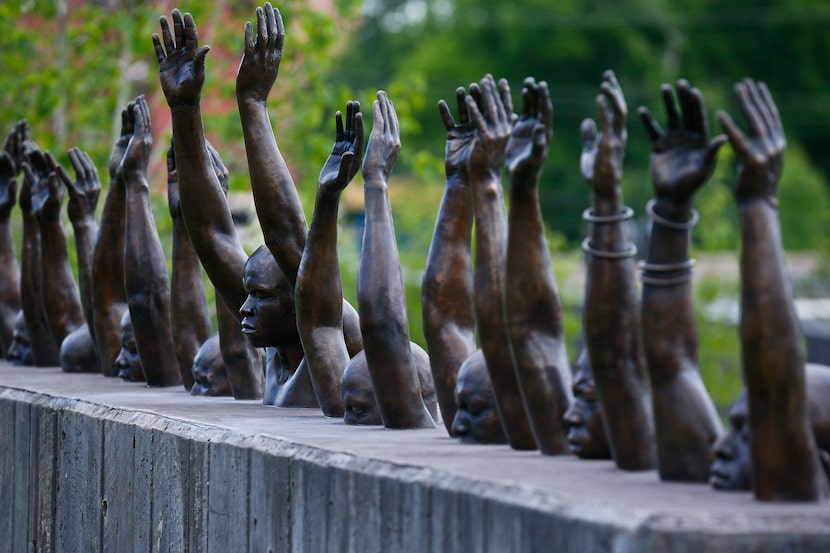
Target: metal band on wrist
(587, 248)
(677, 225)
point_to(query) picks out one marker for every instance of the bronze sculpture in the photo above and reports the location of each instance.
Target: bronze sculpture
(490, 110)
(210, 377)
(447, 285)
(78, 351)
(533, 310)
(20, 351)
(611, 312)
(682, 159)
(380, 290)
(476, 417)
(584, 417)
(128, 361)
(145, 270)
(109, 299)
(732, 466)
(11, 159)
(44, 348)
(785, 462)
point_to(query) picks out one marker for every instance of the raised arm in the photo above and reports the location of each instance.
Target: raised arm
(188, 306)
(319, 290)
(682, 159)
(491, 111)
(44, 348)
(612, 306)
(785, 461)
(204, 208)
(277, 202)
(380, 290)
(447, 286)
(9, 271)
(83, 199)
(145, 269)
(59, 293)
(109, 300)
(532, 306)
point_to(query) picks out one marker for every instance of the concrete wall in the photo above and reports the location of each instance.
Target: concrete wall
(80, 476)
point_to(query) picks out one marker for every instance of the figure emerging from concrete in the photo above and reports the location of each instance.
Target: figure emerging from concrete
(532, 305)
(785, 461)
(682, 160)
(490, 111)
(476, 419)
(145, 269)
(585, 420)
(732, 468)
(11, 160)
(384, 323)
(612, 308)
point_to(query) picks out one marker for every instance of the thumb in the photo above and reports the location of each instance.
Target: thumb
(714, 148)
(346, 161)
(199, 59)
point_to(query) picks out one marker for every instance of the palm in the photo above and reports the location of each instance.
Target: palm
(460, 142)
(181, 77)
(680, 164)
(520, 145)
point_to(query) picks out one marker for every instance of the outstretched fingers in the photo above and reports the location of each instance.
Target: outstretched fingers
(672, 115)
(613, 90)
(649, 124)
(736, 136)
(446, 115)
(545, 109)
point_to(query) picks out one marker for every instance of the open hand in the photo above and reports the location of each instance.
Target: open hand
(529, 143)
(84, 190)
(136, 159)
(761, 153)
(14, 144)
(47, 191)
(491, 111)
(344, 160)
(261, 60)
(602, 154)
(181, 61)
(683, 157)
(120, 146)
(384, 142)
(460, 136)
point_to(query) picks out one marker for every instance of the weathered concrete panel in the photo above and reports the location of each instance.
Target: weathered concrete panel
(270, 507)
(228, 498)
(47, 480)
(197, 494)
(119, 479)
(172, 475)
(78, 523)
(7, 484)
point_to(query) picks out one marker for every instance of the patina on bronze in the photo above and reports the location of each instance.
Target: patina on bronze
(682, 160)
(476, 418)
(785, 461)
(490, 110)
(584, 417)
(612, 306)
(532, 305)
(11, 160)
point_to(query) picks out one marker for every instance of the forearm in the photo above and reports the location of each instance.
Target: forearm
(59, 294)
(383, 318)
(44, 349)
(773, 365)
(109, 299)
(490, 254)
(278, 205)
(320, 307)
(532, 297)
(447, 294)
(205, 210)
(189, 313)
(147, 288)
(10, 288)
(86, 233)
(612, 333)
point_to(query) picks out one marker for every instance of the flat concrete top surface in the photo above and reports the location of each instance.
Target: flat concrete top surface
(592, 490)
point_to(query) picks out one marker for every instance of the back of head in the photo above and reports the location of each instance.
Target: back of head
(78, 352)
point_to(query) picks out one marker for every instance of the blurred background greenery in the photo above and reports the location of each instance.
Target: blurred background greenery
(70, 66)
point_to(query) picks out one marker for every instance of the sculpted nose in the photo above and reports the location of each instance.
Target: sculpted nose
(247, 308)
(724, 449)
(572, 416)
(460, 426)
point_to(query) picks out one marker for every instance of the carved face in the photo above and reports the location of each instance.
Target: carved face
(209, 373)
(586, 433)
(357, 393)
(476, 420)
(20, 351)
(128, 362)
(732, 469)
(268, 315)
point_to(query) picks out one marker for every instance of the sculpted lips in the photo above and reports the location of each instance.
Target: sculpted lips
(247, 327)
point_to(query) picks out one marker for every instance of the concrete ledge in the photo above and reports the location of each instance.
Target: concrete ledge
(93, 464)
